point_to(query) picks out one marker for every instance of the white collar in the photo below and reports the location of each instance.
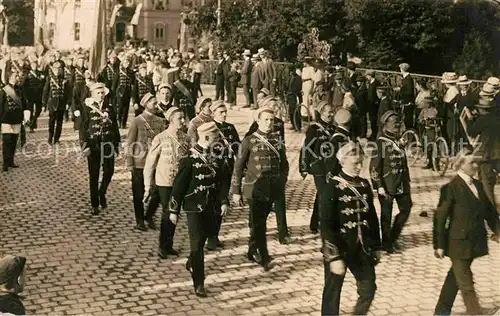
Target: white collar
(372, 80)
(406, 74)
(468, 179)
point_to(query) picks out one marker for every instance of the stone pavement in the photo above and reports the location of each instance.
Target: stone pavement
(100, 265)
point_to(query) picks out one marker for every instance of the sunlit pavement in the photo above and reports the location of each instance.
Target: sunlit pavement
(79, 264)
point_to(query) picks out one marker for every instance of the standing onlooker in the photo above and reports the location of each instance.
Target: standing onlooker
(234, 78)
(12, 282)
(450, 110)
(197, 72)
(459, 233)
(293, 94)
(422, 94)
(268, 71)
(219, 78)
(337, 92)
(246, 73)
(226, 70)
(360, 97)
(307, 86)
(372, 102)
(255, 83)
(407, 95)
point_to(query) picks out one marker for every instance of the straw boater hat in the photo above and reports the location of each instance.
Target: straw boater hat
(247, 53)
(494, 82)
(449, 77)
(463, 81)
(487, 91)
(483, 103)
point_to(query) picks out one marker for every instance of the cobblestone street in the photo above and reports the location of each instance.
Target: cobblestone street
(79, 264)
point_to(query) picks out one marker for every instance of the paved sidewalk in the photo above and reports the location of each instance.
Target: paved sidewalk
(79, 264)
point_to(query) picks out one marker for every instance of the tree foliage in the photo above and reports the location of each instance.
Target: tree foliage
(21, 21)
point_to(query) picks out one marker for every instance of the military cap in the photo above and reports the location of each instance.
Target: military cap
(483, 103)
(404, 66)
(264, 109)
(370, 72)
(98, 85)
(216, 104)
(11, 268)
(147, 98)
(143, 66)
(164, 85)
(349, 149)
(449, 77)
(343, 116)
(207, 128)
(200, 102)
(387, 115)
(321, 105)
(171, 111)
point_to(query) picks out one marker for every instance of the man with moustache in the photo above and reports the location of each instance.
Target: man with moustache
(162, 165)
(227, 149)
(263, 155)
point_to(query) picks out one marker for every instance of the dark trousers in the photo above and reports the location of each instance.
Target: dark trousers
(138, 195)
(55, 124)
(36, 108)
(459, 278)
(373, 123)
(488, 177)
(100, 156)
(231, 93)
(123, 105)
(197, 84)
(259, 210)
(247, 91)
(200, 226)
(167, 228)
(219, 87)
(319, 182)
(227, 85)
(365, 283)
(363, 126)
(255, 92)
(390, 235)
(409, 114)
(293, 114)
(9, 142)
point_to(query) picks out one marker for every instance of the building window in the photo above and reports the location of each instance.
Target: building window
(159, 31)
(160, 4)
(121, 29)
(76, 31)
(78, 3)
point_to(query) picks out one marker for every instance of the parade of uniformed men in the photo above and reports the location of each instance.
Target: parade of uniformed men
(95, 139)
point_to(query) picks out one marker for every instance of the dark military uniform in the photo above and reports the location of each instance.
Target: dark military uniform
(184, 97)
(278, 128)
(68, 76)
(80, 93)
(33, 90)
(142, 86)
(56, 95)
(199, 187)
(122, 87)
(264, 157)
(350, 232)
(164, 108)
(389, 170)
(102, 138)
(316, 151)
(339, 138)
(229, 145)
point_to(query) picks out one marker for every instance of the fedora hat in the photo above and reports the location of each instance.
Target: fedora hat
(256, 56)
(247, 52)
(483, 103)
(463, 80)
(449, 77)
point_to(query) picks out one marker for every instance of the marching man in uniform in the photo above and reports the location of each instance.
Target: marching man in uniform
(99, 139)
(162, 165)
(122, 87)
(264, 156)
(143, 129)
(391, 178)
(143, 84)
(228, 147)
(350, 233)
(199, 187)
(315, 151)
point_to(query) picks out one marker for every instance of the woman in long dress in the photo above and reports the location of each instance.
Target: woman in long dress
(307, 86)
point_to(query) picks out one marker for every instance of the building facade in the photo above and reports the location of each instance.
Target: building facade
(69, 23)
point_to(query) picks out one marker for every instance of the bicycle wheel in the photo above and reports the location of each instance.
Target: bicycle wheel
(413, 147)
(305, 121)
(440, 156)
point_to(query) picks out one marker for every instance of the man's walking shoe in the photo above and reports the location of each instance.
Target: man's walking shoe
(103, 201)
(95, 211)
(151, 224)
(220, 244)
(286, 240)
(212, 244)
(389, 249)
(5, 168)
(268, 266)
(254, 256)
(141, 227)
(173, 252)
(13, 165)
(200, 291)
(162, 254)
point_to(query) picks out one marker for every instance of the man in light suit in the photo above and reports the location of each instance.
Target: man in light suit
(463, 202)
(267, 73)
(246, 73)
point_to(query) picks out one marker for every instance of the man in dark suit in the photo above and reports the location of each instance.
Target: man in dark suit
(407, 95)
(464, 204)
(246, 73)
(486, 126)
(219, 78)
(372, 102)
(360, 97)
(255, 82)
